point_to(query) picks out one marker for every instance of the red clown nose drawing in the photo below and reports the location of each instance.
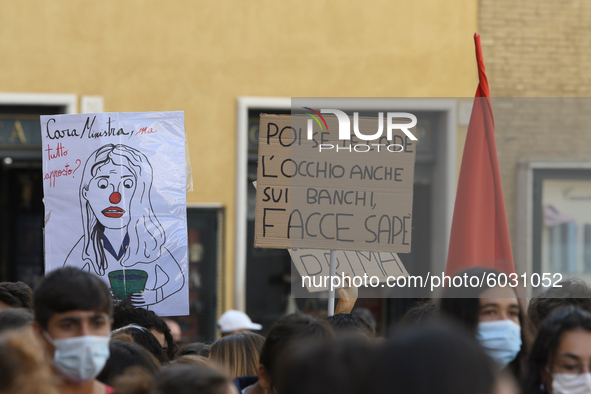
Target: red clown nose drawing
(115, 198)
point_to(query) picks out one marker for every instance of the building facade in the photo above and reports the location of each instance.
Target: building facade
(220, 63)
(538, 59)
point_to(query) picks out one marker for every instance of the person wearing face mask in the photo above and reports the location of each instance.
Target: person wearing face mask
(495, 317)
(73, 317)
(560, 359)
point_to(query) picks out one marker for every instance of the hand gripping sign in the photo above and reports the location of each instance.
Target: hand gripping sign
(115, 203)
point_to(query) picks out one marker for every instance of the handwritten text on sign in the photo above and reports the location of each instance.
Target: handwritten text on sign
(337, 199)
(314, 266)
(115, 203)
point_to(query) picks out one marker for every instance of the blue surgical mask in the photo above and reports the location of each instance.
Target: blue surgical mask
(501, 340)
(80, 358)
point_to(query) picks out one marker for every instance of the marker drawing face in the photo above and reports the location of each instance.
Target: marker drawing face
(110, 193)
(115, 195)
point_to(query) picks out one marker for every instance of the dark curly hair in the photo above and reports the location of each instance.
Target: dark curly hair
(16, 295)
(288, 332)
(574, 291)
(546, 345)
(70, 289)
(126, 314)
(345, 323)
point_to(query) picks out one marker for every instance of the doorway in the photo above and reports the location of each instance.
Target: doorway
(21, 183)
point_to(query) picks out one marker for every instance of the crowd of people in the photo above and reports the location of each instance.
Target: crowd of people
(67, 336)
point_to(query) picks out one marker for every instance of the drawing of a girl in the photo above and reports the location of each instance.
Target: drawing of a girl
(121, 232)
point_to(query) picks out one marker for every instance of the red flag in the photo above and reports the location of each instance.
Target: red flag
(479, 232)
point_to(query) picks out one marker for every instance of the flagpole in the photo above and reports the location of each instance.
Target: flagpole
(332, 272)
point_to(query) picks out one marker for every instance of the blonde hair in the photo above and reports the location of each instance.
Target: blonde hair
(238, 353)
(192, 359)
(23, 366)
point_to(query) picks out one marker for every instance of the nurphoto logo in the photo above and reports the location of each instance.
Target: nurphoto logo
(345, 129)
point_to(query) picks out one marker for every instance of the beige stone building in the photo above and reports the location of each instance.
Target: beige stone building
(535, 50)
(222, 63)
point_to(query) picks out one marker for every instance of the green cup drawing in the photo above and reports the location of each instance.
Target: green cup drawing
(126, 282)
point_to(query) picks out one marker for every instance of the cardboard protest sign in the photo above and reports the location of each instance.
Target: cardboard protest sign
(314, 266)
(354, 196)
(115, 203)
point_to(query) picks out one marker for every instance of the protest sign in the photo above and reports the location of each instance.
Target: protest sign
(314, 266)
(354, 196)
(115, 203)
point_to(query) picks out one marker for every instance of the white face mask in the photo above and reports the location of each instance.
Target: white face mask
(501, 340)
(564, 383)
(80, 358)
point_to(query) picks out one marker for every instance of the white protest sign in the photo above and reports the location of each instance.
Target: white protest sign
(314, 267)
(115, 203)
